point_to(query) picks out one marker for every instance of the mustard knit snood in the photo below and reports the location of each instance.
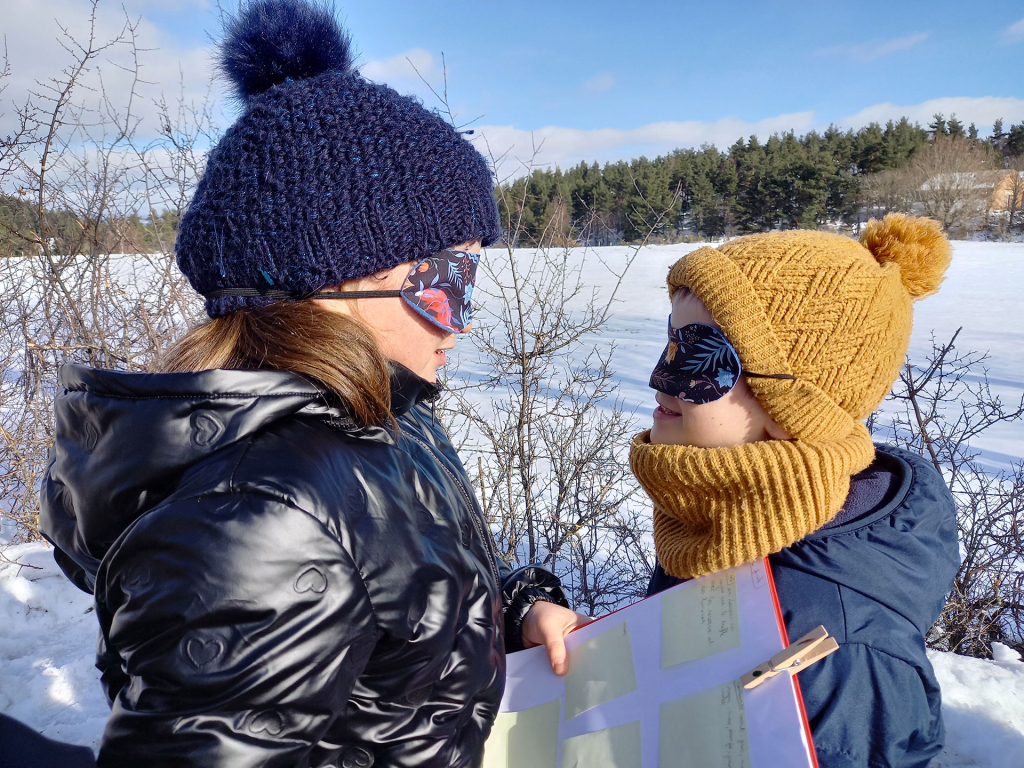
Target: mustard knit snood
(719, 507)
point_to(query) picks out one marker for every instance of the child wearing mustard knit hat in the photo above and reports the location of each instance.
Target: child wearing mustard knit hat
(780, 345)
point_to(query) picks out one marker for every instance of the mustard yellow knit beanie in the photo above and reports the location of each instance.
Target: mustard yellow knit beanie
(831, 311)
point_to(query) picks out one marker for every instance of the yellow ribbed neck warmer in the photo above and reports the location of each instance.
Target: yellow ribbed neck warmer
(719, 507)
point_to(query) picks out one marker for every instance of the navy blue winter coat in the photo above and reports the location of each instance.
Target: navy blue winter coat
(877, 583)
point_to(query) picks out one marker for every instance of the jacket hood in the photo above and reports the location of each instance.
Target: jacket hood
(123, 441)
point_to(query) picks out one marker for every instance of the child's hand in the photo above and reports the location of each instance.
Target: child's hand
(547, 624)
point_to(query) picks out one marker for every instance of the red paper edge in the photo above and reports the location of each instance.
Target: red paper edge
(785, 644)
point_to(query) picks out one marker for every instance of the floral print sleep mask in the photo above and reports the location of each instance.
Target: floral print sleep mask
(699, 365)
(441, 287)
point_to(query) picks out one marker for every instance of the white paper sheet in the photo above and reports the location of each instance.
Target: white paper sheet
(673, 659)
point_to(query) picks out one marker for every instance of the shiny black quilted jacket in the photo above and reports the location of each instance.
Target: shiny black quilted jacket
(275, 585)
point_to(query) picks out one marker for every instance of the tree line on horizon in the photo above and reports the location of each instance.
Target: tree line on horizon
(810, 181)
(833, 178)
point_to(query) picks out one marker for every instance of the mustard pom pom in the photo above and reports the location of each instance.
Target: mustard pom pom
(916, 244)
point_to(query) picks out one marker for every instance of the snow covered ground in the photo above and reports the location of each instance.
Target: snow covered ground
(47, 627)
(983, 706)
(47, 647)
(47, 677)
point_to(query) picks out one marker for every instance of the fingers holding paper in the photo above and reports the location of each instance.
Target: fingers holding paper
(547, 624)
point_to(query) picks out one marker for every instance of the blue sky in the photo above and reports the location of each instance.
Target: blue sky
(602, 80)
(651, 61)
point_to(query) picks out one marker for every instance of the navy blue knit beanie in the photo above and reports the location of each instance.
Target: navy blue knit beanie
(325, 176)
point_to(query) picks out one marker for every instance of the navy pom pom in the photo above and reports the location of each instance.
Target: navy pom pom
(271, 41)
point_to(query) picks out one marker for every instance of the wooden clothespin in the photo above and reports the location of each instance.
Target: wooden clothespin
(815, 645)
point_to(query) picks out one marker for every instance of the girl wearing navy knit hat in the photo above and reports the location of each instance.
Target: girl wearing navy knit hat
(289, 563)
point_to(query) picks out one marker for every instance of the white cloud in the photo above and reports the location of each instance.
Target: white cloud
(418, 73)
(401, 67)
(1014, 33)
(33, 38)
(876, 49)
(599, 83)
(32, 32)
(514, 147)
(164, 5)
(980, 110)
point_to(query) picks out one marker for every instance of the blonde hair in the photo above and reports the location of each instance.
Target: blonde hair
(336, 350)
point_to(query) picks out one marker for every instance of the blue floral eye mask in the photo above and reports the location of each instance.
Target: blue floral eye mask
(699, 365)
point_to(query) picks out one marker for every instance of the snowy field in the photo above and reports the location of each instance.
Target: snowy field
(47, 627)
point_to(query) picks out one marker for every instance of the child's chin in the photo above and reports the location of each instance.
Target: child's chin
(662, 433)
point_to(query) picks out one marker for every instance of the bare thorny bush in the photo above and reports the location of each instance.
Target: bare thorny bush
(75, 282)
(540, 424)
(943, 407)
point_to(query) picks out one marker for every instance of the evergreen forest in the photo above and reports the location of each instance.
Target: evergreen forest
(812, 181)
(788, 181)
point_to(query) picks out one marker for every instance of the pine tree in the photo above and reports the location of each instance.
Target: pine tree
(753, 204)
(648, 197)
(705, 208)
(1015, 140)
(682, 175)
(954, 128)
(937, 127)
(727, 185)
(869, 149)
(902, 139)
(813, 169)
(998, 138)
(842, 182)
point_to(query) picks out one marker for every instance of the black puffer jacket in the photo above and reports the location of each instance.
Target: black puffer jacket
(276, 586)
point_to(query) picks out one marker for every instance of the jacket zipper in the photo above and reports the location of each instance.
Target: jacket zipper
(477, 523)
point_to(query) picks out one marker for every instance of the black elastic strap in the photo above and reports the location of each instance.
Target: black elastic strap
(252, 293)
(289, 295)
(354, 295)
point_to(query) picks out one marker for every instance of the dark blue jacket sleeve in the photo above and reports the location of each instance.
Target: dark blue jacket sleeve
(876, 583)
(871, 710)
(21, 746)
